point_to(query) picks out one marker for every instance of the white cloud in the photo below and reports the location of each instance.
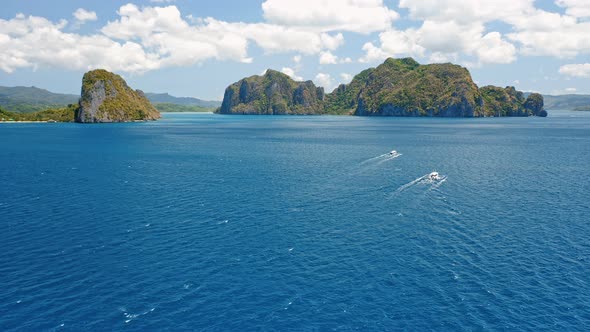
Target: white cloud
(345, 78)
(577, 8)
(327, 58)
(394, 43)
(162, 1)
(443, 41)
(325, 80)
(576, 70)
(571, 90)
(458, 30)
(297, 58)
(332, 42)
(82, 15)
(149, 38)
(291, 72)
(466, 12)
(362, 16)
(35, 41)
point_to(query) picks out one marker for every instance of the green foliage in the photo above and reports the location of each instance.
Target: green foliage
(534, 103)
(508, 102)
(272, 93)
(119, 101)
(399, 87)
(64, 114)
(404, 87)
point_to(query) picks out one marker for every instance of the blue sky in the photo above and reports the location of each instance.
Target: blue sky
(197, 48)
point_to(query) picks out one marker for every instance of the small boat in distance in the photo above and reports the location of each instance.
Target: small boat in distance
(392, 152)
(434, 176)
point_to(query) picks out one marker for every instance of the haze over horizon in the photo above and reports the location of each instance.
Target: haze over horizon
(197, 49)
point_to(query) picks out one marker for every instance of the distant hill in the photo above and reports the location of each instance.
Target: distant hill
(23, 99)
(187, 101)
(567, 102)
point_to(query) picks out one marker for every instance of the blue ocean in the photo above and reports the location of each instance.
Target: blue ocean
(296, 223)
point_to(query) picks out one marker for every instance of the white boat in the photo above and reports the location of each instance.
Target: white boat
(392, 153)
(434, 176)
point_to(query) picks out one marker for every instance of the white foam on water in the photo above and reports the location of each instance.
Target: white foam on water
(438, 183)
(390, 157)
(411, 183)
(374, 158)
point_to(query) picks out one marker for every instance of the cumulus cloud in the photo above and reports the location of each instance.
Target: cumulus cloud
(345, 78)
(327, 58)
(576, 70)
(362, 16)
(82, 15)
(324, 80)
(35, 41)
(148, 38)
(576, 8)
(291, 73)
(457, 30)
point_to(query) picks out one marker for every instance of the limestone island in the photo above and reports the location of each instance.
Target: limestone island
(398, 87)
(105, 97)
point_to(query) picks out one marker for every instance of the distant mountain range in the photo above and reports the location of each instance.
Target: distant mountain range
(567, 102)
(187, 101)
(32, 99)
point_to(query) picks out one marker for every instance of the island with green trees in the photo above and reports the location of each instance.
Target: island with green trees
(398, 87)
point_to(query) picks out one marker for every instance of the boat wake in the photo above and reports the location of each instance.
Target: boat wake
(383, 158)
(433, 179)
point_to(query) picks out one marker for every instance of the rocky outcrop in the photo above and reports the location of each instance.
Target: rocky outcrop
(403, 87)
(398, 87)
(534, 104)
(272, 93)
(106, 97)
(510, 102)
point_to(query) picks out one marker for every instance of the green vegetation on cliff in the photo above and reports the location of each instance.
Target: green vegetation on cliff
(272, 93)
(106, 97)
(510, 102)
(403, 87)
(398, 87)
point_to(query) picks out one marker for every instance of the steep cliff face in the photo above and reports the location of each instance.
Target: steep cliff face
(534, 104)
(403, 87)
(106, 97)
(272, 93)
(510, 102)
(398, 87)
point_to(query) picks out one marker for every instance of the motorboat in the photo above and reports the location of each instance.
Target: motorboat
(434, 176)
(392, 153)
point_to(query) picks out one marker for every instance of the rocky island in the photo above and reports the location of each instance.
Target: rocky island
(272, 93)
(398, 87)
(106, 97)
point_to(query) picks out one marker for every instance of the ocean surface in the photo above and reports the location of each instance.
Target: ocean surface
(295, 223)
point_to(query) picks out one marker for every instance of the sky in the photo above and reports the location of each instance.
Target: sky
(197, 48)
